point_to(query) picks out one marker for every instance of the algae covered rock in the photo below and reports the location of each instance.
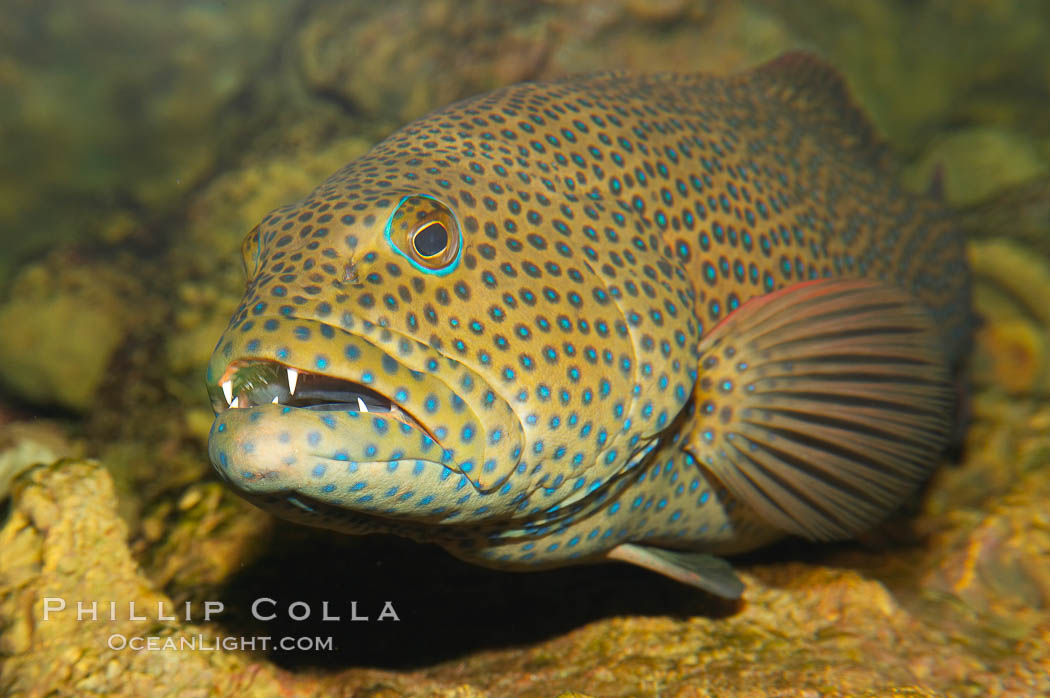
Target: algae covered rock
(652, 36)
(25, 444)
(63, 321)
(1013, 340)
(1021, 214)
(63, 543)
(41, 364)
(979, 163)
(996, 561)
(395, 61)
(801, 627)
(402, 58)
(223, 212)
(920, 67)
(116, 103)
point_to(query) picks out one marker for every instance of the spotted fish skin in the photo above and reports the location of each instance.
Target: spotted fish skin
(544, 366)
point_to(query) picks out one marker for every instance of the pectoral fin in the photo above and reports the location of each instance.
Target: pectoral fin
(707, 572)
(823, 405)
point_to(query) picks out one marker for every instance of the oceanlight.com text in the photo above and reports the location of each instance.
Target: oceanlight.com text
(230, 643)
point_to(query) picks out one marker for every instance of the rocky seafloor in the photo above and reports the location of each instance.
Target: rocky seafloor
(110, 304)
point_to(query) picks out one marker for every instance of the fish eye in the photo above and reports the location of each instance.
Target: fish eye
(430, 239)
(426, 232)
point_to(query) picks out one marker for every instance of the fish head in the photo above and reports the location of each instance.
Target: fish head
(426, 338)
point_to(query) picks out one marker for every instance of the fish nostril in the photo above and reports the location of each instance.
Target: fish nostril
(350, 273)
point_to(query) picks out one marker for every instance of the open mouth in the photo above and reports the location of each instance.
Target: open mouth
(260, 382)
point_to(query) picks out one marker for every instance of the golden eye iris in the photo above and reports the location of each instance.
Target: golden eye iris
(426, 233)
(430, 240)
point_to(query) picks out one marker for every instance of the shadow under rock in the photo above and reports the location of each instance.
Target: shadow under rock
(447, 608)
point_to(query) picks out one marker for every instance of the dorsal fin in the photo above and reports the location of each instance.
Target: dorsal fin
(819, 94)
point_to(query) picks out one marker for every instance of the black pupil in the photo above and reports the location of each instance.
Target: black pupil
(431, 240)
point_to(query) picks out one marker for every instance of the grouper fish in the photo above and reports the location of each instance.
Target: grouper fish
(654, 319)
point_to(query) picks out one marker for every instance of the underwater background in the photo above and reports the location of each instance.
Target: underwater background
(143, 140)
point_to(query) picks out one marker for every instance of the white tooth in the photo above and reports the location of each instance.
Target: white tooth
(293, 378)
(274, 401)
(235, 403)
(227, 390)
(362, 407)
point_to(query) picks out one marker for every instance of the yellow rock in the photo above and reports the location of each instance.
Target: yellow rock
(1012, 286)
(60, 332)
(1015, 354)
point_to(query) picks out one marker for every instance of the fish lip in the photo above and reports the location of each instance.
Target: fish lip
(473, 422)
(369, 339)
(308, 510)
(252, 453)
(231, 373)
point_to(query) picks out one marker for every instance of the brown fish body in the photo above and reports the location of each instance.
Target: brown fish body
(564, 269)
